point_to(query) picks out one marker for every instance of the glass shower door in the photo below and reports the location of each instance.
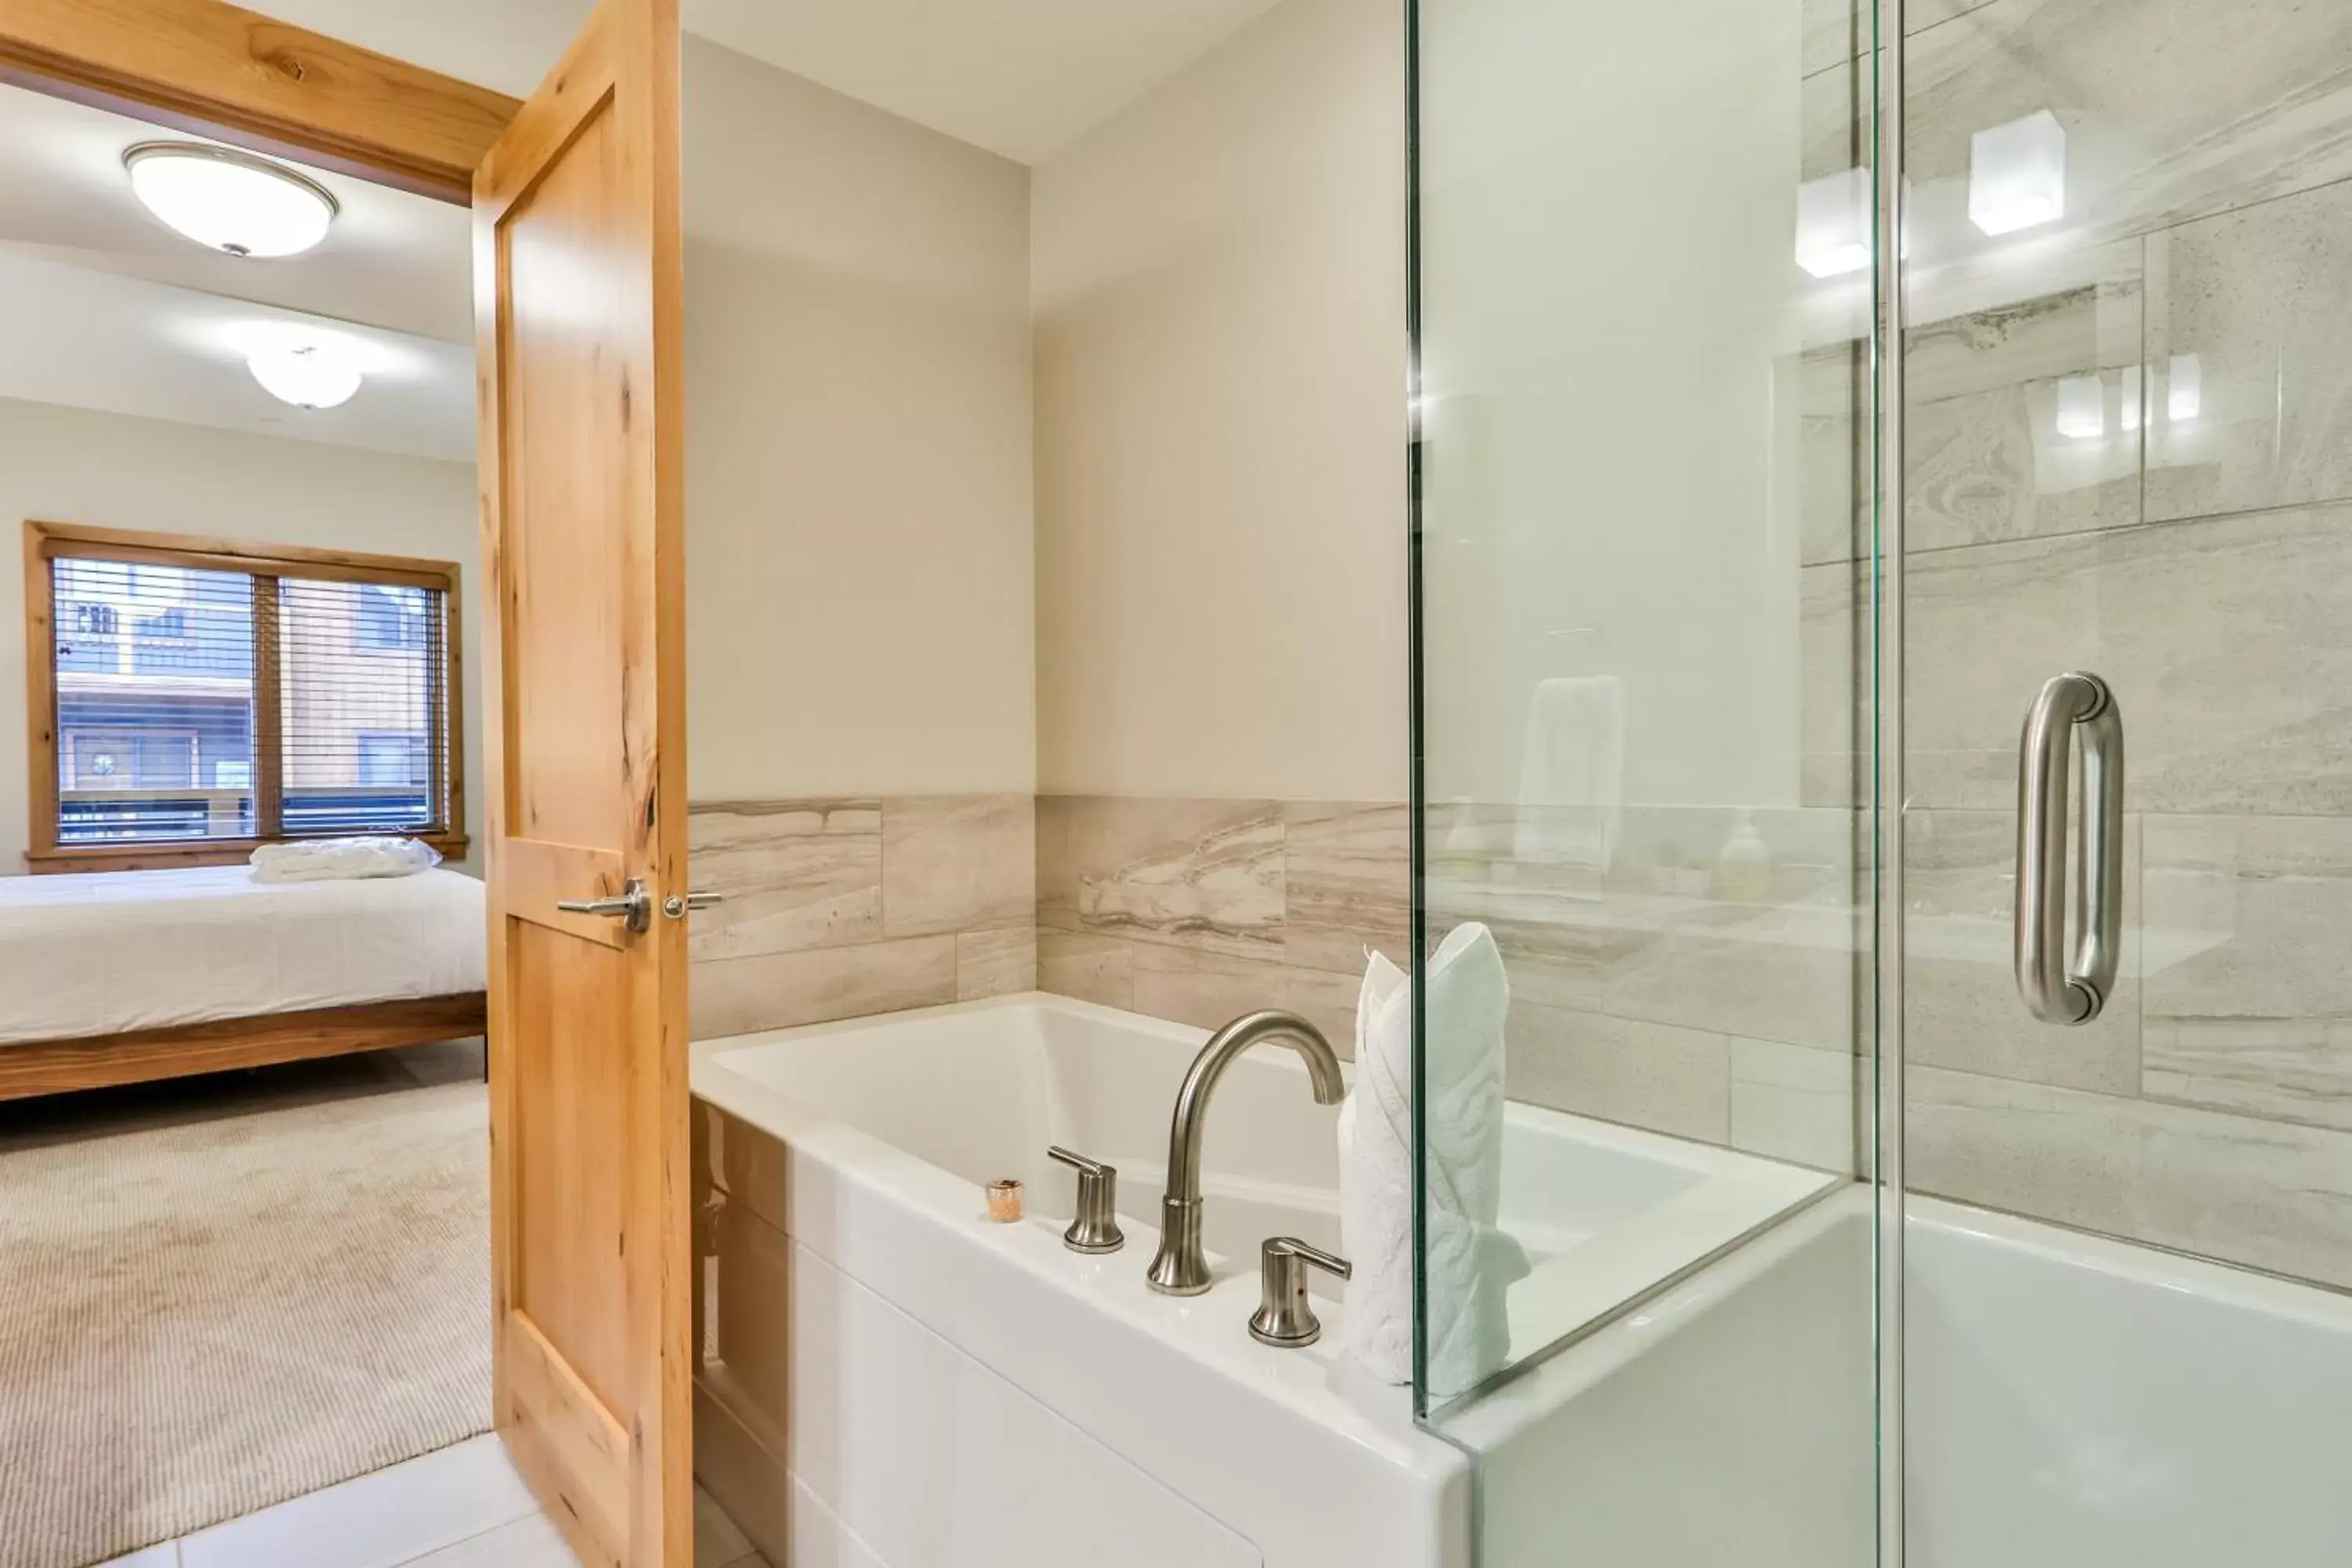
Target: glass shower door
(2128, 512)
(1643, 835)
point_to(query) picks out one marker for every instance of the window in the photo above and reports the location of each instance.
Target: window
(201, 696)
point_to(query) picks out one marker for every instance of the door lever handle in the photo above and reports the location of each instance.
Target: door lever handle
(634, 909)
(677, 905)
(2055, 990)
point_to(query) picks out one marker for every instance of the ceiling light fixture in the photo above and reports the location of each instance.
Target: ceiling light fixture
(2016, 174)
(228, 200)
(308, 375)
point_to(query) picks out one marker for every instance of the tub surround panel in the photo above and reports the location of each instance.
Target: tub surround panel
(2271, 1195)
(836, 907)
(957, 863)
(1634, 987)
(797, 875)
(778, 990)
(1198, 911)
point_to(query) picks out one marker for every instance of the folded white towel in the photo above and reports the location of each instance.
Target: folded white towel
(1572, 773)
(342, 859)
(1472, 1262)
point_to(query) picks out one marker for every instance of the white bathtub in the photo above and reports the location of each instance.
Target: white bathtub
(941, 1390)
(2071, 1400)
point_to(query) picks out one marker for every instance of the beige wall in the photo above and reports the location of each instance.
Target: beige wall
(1219, 291)
(858, 513)
(114, 471)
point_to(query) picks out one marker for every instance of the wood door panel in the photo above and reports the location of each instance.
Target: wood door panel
(565, 1443)
(568, 490)
(539, 875)
(573, 1145)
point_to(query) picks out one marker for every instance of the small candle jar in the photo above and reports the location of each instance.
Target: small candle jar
(1004, 1201)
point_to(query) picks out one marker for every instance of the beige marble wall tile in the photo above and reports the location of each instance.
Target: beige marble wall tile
(1057, 876)
(1189, 985)
(2027, 316)
(1994, 465)
(1833, 462)
(2248, 998)
(1793, 1103)
(1647, 1075)
(958, 862)
(1327, 999)
(996, 962)
(1837, 31)
(2268, 1194)
(1089, 967)
(1963, 1009)
(1671, 939)
(2257, 296)
(2228, 642)
(2173, 109)
(1832, 715)
(796, 875)
(778, 990)
(1196, 873)
(1346, 883)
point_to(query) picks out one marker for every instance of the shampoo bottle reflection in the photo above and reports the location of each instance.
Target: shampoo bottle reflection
(1743, 867)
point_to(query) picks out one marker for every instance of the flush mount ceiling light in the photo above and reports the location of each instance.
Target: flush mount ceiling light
(308, 375)
(2016, 174)
(228, 200)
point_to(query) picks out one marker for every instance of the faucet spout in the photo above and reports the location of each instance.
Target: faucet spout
(1181, 1266)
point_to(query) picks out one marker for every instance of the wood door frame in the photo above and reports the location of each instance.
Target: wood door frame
(222, 71)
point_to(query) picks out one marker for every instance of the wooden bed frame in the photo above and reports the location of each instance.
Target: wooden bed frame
(145, 1056)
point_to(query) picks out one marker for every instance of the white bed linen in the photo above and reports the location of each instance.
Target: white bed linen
(112, 950)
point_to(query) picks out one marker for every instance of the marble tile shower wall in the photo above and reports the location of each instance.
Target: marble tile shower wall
(835, 908)
(1639, 995)
(2201, 559)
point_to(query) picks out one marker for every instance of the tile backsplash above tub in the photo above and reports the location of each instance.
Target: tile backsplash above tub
(835, 908)
(1198, 911)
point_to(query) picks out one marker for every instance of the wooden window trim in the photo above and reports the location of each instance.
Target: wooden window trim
(46, 542)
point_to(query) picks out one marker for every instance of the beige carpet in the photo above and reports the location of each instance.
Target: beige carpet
(284, 1285)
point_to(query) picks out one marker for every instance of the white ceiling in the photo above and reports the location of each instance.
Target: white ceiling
(102, 307)
(89, 338)
(1021, 77)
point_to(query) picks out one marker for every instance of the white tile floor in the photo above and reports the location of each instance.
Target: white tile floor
(461, 1508)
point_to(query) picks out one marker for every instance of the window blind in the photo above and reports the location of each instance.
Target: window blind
(155, 684)
(359, 690)
(196, 704)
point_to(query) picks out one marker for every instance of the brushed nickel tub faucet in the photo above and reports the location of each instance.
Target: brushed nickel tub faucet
(1180, 1266)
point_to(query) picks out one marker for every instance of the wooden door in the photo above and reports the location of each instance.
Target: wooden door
(576, 267)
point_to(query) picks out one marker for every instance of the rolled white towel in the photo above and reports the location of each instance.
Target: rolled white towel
(1472, 1262)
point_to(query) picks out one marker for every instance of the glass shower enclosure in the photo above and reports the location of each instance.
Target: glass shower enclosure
(1884, 778)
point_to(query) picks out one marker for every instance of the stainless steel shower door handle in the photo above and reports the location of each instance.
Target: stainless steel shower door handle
(2054, 991)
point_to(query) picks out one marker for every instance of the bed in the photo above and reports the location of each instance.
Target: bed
(118, 977)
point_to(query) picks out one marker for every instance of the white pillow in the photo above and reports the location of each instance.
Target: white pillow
(338, 859)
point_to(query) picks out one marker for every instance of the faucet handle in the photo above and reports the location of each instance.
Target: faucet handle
(1094, 1227)
(1283, 1319)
